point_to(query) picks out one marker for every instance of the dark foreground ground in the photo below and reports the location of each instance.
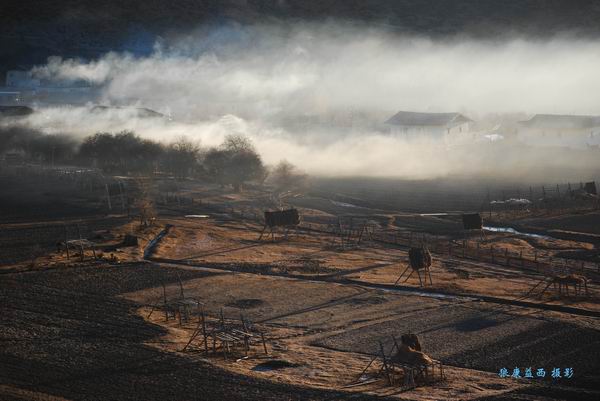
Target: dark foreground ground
(64, 333)
(67, 333)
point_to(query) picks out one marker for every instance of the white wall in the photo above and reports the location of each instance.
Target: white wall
(461, 131)
(571, 138)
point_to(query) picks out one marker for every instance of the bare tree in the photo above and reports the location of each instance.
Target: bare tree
(286, 177)
(235, 162)
(181, 157)
(238, 143)
(123, 152)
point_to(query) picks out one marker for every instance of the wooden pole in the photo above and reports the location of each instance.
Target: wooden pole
(108, 197)
(67, 241)
(385, 365)
(80, 243)
(521, 257)
(204, 331)
(165, 301)
(122, 197)
(262, 337)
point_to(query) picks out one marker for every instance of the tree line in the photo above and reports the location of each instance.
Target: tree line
(233, 163)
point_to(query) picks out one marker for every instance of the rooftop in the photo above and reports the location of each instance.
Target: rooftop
(411, 118)
(561, 121)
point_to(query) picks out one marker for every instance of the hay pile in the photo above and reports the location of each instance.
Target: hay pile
(419, 258)
(409, 352)
(472, 221)
(282, 218)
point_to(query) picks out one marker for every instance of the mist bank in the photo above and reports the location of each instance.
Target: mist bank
(318, 94)
(263, 71)
(331, 152)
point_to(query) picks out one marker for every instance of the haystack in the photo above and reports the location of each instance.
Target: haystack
(472, 221)
(419, 258)
(406, 354)
(282, 218)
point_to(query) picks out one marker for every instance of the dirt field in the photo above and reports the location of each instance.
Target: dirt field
(94, 329)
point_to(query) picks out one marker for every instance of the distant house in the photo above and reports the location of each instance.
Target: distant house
(577, 132)
(21, 79)
(428, 125)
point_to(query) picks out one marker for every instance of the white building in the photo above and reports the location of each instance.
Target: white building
(578, 132)
(439, 126)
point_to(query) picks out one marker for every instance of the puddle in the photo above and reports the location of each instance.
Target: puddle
(427, 294)
(434, 214)
(343, 204)
(510, 230)
(196, 216)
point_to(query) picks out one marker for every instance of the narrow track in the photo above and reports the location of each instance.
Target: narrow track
(395, 288)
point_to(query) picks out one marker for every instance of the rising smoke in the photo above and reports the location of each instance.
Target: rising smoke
(317, 94)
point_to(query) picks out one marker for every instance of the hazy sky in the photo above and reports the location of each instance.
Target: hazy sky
(311, 68)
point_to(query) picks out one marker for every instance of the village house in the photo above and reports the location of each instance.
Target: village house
(439, 126)
(577, 132)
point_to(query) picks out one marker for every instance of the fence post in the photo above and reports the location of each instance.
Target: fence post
(521, 257)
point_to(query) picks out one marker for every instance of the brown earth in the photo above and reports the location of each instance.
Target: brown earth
(75, 329)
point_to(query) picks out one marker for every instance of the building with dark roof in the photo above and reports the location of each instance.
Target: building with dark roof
(412, 125)
(560, 130)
